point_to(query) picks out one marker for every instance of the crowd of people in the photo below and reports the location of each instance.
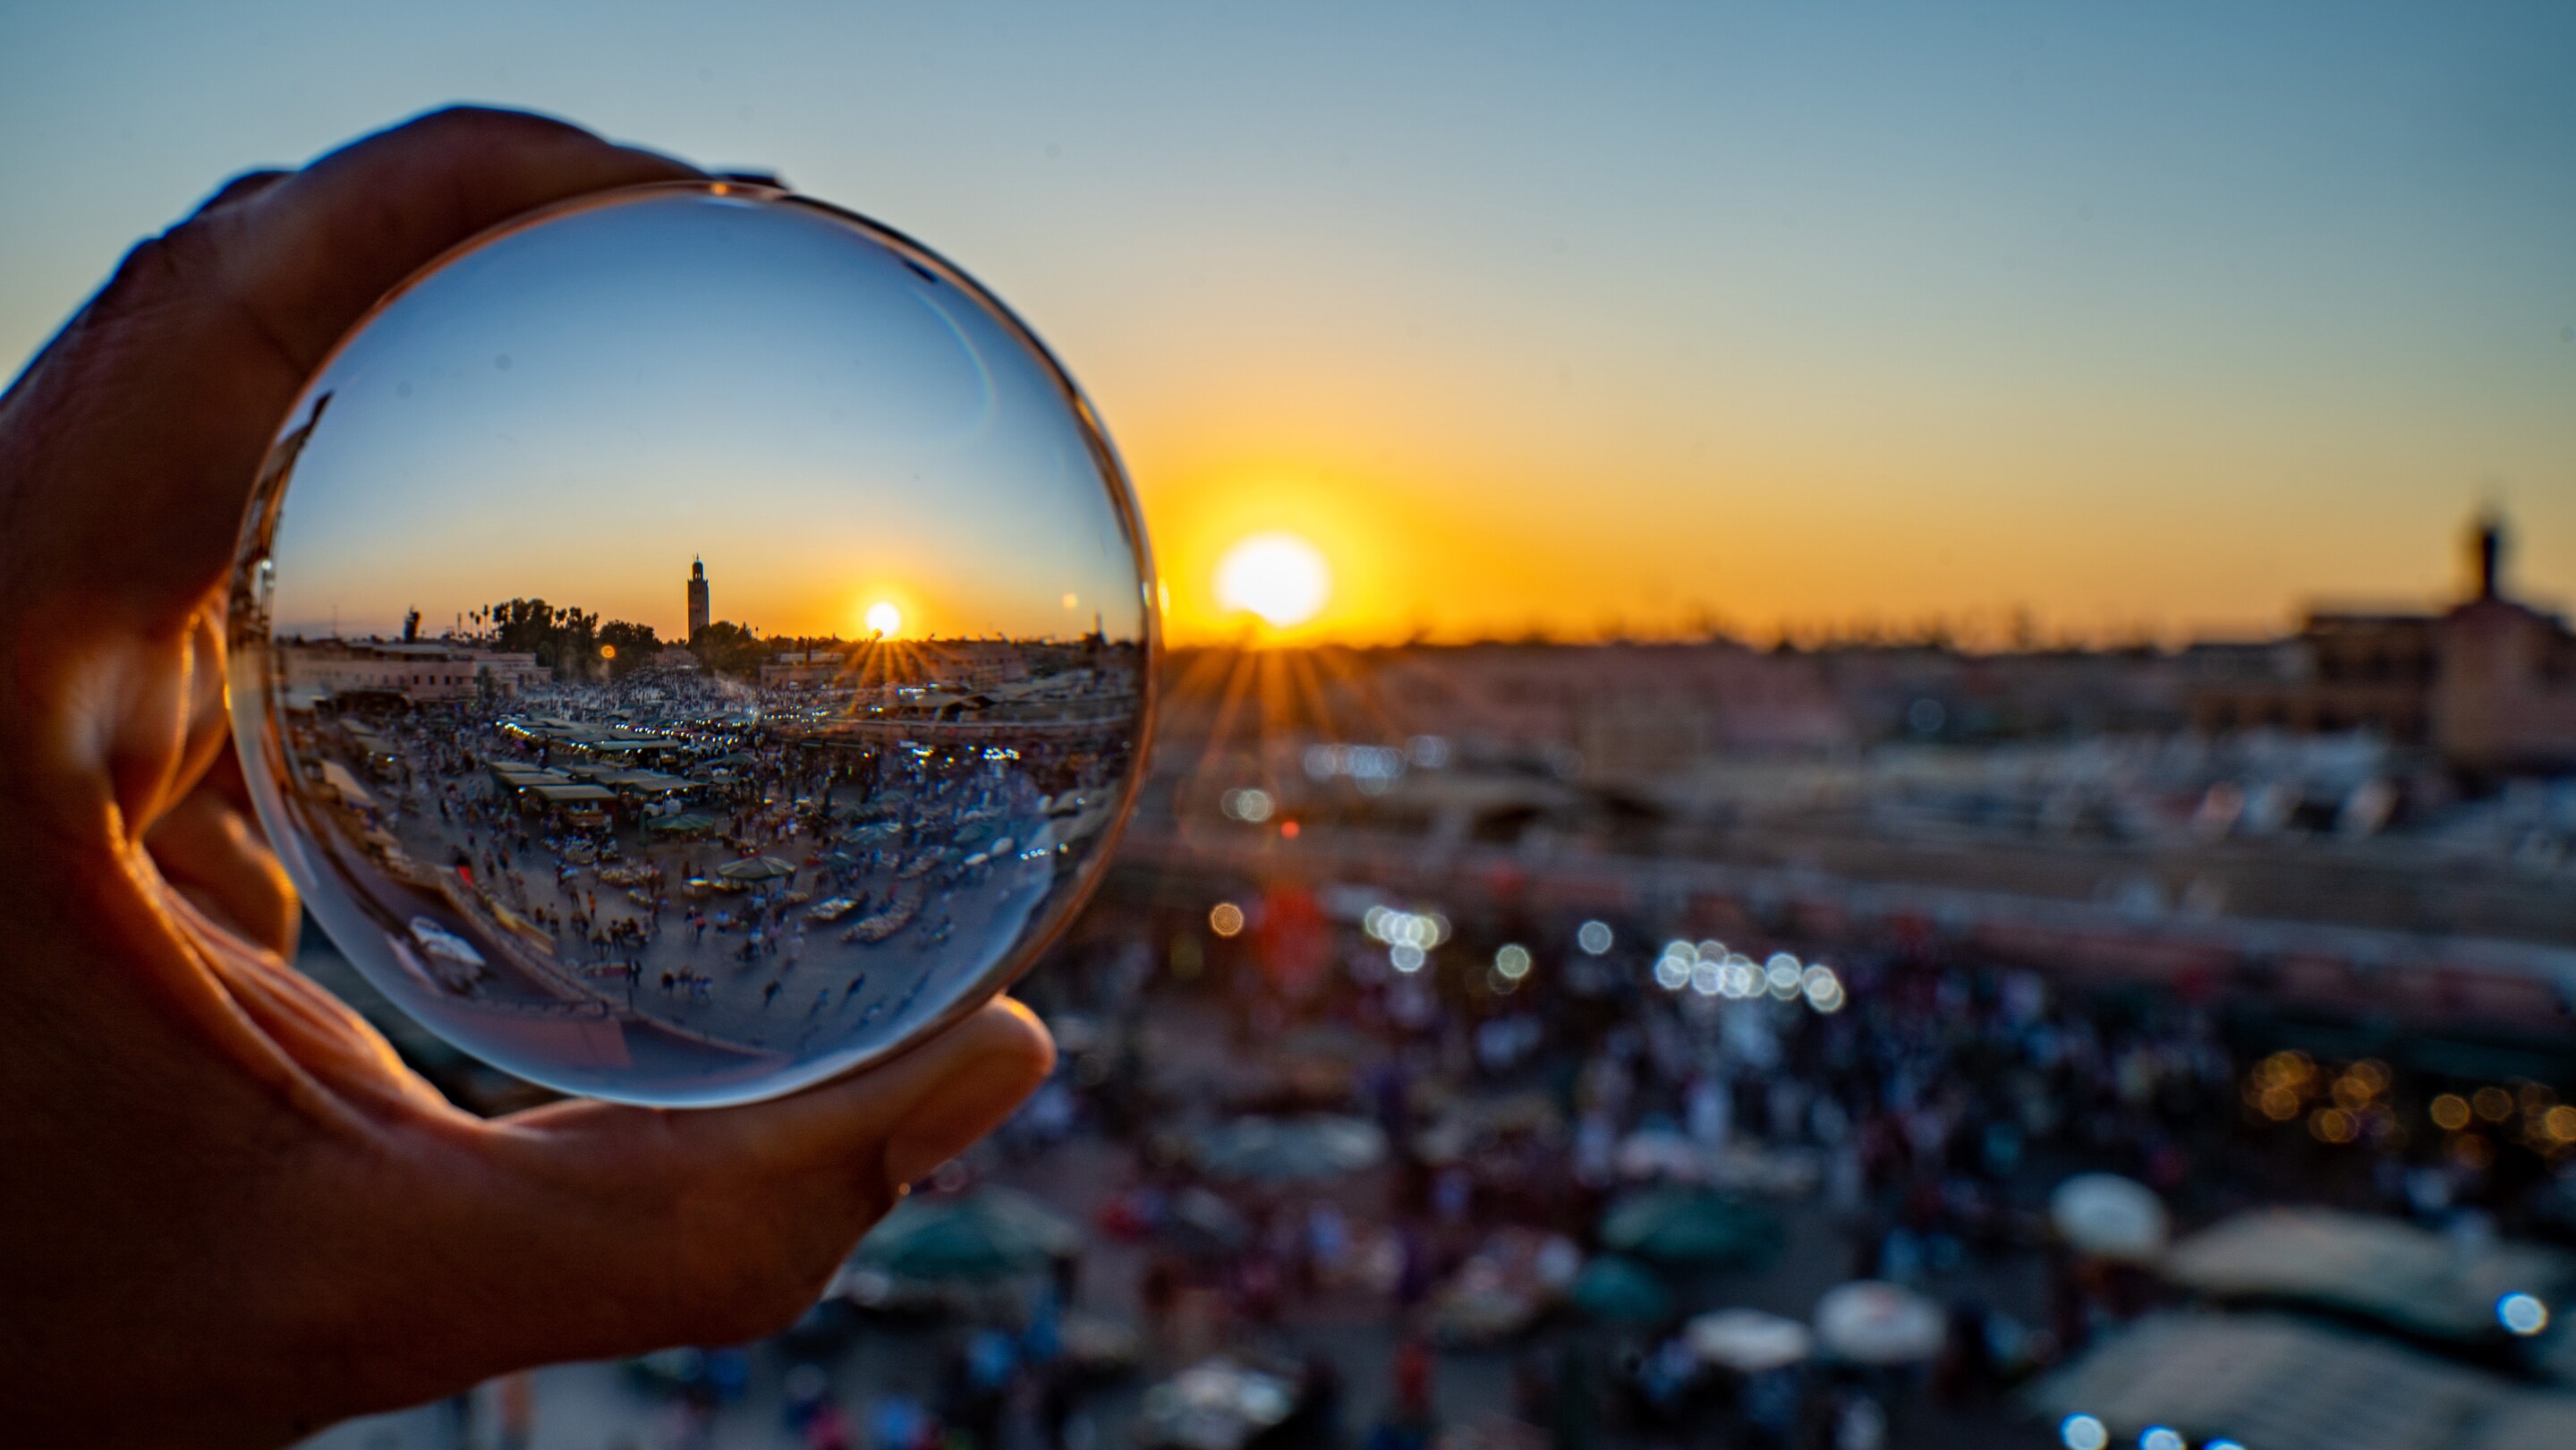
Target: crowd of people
(1905, 1128)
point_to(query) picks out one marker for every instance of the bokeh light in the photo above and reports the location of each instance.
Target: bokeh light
(2522, 1314)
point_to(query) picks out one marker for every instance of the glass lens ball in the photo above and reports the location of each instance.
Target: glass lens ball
(691, 643)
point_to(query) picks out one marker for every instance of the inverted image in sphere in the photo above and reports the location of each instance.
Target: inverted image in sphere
(691, 643)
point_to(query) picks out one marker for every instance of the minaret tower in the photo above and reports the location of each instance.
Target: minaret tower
(697, 597)
(2486, 554)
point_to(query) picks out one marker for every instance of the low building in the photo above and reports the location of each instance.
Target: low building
(2488, 686)
(422, 672)
(331, 668)
(1622, 709)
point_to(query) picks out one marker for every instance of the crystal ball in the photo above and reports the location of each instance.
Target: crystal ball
(691, 643)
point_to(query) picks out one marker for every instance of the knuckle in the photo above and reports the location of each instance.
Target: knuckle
(490, 126)
(240, 189)
(158, 271)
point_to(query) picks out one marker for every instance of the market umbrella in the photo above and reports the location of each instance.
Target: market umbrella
(2109, 1217)
(1621, 1291)
(986, 1234)
(1870, 1322)
(2424, 1283)
(1677, 1225)
(1281, 1150)
(1748, 1341)
(755, 868)
(1215, 1405)
(1658, 1153)
(1198, 1222)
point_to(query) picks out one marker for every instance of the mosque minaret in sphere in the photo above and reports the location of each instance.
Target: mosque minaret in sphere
(697, 597)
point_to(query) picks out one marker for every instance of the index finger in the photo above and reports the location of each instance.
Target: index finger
(136, 435)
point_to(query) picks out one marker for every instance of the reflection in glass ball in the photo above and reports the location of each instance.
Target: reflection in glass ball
(691, 643)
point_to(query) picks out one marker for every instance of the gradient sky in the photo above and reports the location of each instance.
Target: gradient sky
(573, 411)
(1592, 316)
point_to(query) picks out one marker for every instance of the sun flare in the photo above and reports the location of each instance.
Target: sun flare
(1279, 577)
(884, 619)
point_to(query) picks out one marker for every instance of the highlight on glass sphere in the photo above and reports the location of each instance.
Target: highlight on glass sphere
(690, 644)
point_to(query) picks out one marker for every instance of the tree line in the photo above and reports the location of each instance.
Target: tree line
(575, 644)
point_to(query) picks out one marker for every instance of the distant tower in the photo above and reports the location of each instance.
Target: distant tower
(2486, 554)
(697, 597)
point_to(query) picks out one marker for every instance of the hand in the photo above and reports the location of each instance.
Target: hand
(228, 1214)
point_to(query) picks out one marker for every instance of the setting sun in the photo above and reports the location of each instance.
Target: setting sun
(1279, 577)
(885, 619)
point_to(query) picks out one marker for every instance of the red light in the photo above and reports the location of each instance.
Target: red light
(1288, 829)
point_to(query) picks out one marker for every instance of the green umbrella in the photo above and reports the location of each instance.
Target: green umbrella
(987, 1234)
(1622, 1291)
(1676, 1225)
(1281, 1150)
(756, 868)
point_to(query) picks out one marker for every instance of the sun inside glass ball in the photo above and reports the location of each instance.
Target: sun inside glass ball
(689, 644)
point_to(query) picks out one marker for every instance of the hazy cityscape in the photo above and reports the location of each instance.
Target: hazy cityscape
(1672, 1043)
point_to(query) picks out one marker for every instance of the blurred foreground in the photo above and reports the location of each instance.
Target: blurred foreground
(1876, 1045)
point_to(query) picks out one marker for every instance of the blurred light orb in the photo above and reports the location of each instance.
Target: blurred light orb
(1783, 975)
(1225, 918)
(1512, 961)
(1278, 577)
(2082, 1432)
(1824, 989)
(1739, 977)
(535, 663)
(2161, 1437)
(2522, 1315)
(1594, 937)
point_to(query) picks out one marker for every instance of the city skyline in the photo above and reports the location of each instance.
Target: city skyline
(2485, 543)
(696, 611)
